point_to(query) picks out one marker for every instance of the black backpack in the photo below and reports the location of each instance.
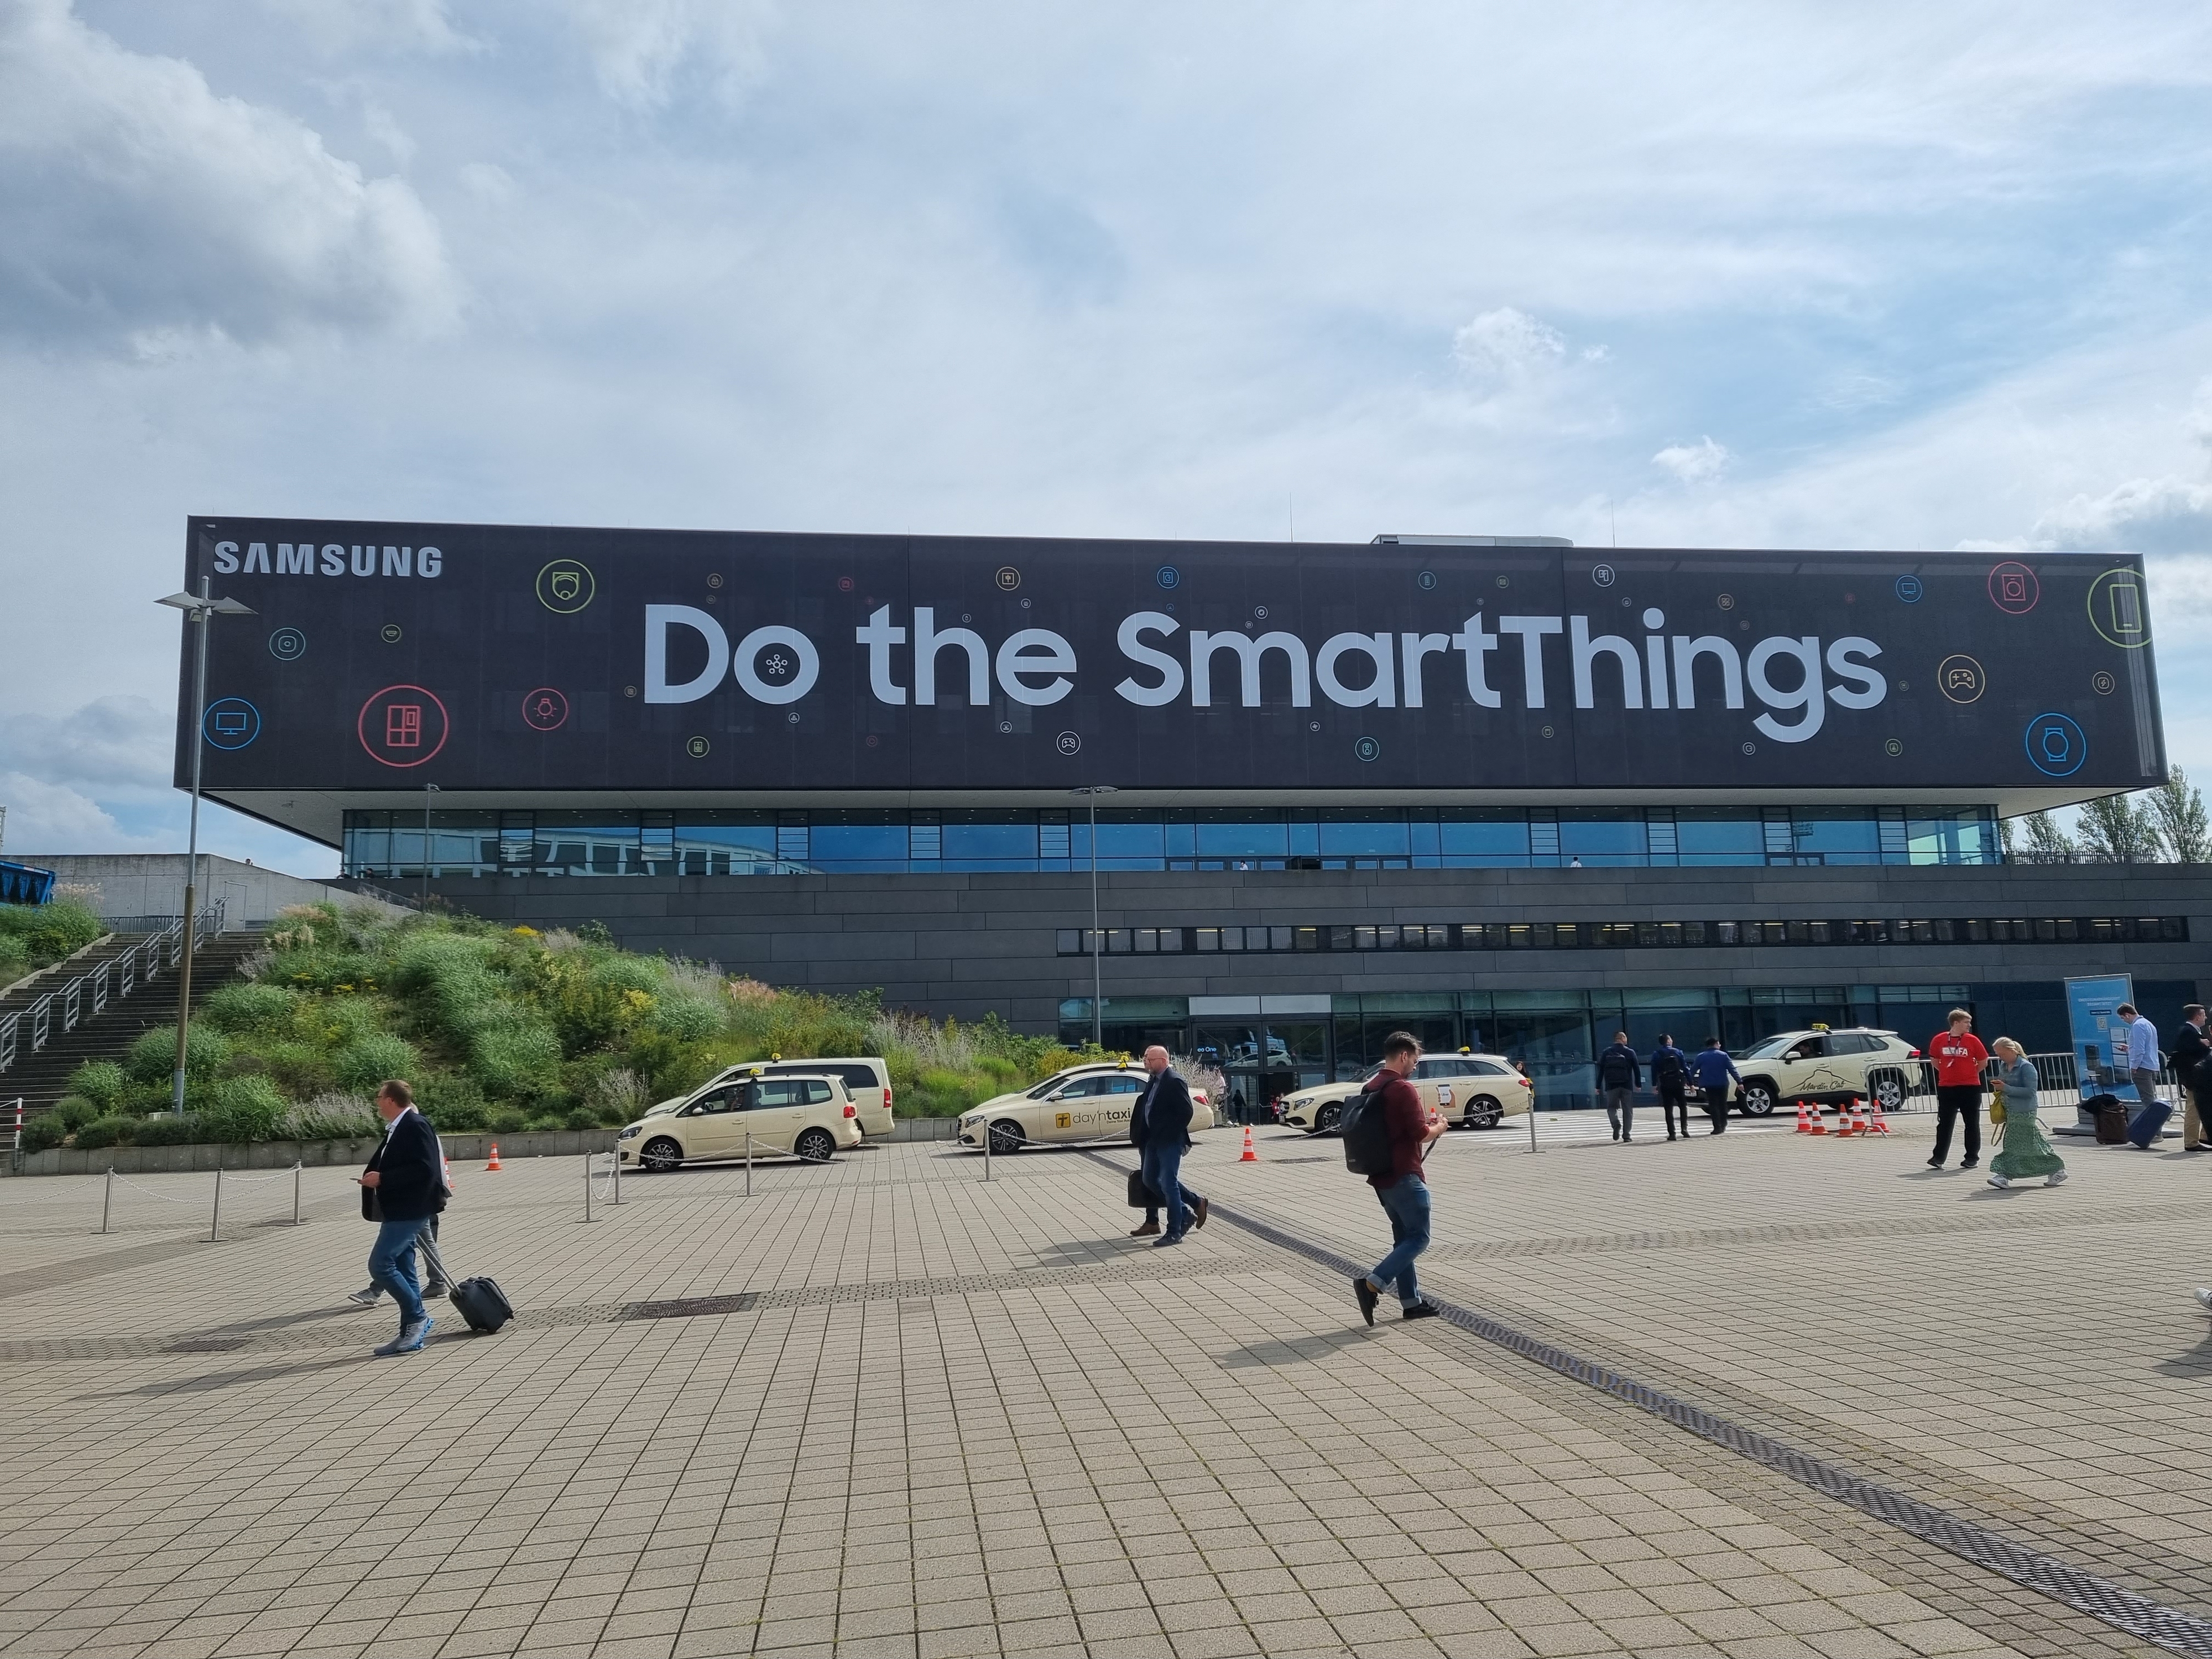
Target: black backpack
(1366, 1133)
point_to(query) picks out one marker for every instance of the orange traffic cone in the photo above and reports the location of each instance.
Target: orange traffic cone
(1249, 1156)
(1857, 1126)
(1876, 1123)
(1804, 1121)
(493, 1164)
(1819, 1123)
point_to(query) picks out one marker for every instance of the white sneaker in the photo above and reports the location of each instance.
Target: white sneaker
(2205, 1297)
(2055, 1178)
(2000, 1181)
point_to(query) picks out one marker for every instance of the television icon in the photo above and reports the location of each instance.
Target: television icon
(230, 723)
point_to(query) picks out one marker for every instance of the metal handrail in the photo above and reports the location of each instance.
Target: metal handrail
(27, 1030)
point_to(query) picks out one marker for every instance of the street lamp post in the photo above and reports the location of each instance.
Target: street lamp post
(429, 791)
(1097, 939)
(200, 611)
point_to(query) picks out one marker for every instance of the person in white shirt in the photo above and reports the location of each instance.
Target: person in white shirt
(2143, 1053)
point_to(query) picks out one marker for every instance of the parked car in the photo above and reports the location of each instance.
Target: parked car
(808, 1117)
(1467, 1091)
(868, 1080)
(1825, 1067)
(1083, 1103)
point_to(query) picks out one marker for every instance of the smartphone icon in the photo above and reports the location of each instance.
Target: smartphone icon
(2127, 608)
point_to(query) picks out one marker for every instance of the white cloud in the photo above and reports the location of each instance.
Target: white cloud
(137, 199)
(1507, 346)
(1698, 462)
(643, 50)
(2143, 515)
(113, 743)
(49, 818)
(333, 27)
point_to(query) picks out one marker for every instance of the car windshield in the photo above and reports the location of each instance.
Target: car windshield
(1768, 1049)
(1054, 1081)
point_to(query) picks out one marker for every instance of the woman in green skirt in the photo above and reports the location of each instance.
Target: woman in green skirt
(2024, 1152)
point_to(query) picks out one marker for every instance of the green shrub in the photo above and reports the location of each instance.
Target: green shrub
(366, 1062)
(153, 1057)
(47, 933)
(107, 1132)
(300, 1069)
(517, 1062)
(686, 1019)
(581, 1117)
(245, 1108)
(504, 1119)
(42, 1131)
(452, 1100)
(331, 1117)
(168, 1129)
(102, 1081)
(75, 1111)
(248, 1007)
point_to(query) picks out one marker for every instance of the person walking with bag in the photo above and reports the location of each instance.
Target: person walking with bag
(1959, 1057)
(1164, 1109)
(2022, 1152)
(431, 1266)
(1670, 1076)
(399, 1192)
(1619, 1074)
(1714, 1069)
(1403, 1187)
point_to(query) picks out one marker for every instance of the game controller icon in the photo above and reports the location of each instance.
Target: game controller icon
(1961, 678)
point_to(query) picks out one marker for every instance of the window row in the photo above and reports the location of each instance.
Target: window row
(389, 844)
(1622, 935)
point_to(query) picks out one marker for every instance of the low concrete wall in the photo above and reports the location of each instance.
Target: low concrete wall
(153, 885)
(283, 1154)
(926, 1128)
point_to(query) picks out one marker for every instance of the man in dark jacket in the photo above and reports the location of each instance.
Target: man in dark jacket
(1619, 1074)
(399, 1191)
(2190, 1048)
(1670, 1076)
(1160, 1127)
(1403, 1187)
(1713, 1068)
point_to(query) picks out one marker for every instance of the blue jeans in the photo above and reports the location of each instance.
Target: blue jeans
(392, 1264)
(1164, 1174)
(1405, 1201)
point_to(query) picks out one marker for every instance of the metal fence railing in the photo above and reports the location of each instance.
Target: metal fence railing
(28, 1030)
(2059, 1082)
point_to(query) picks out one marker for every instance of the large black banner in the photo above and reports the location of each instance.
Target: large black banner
(385, 656)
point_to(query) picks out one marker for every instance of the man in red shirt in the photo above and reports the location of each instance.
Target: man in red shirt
(1404, 1192)
(1959, 1057)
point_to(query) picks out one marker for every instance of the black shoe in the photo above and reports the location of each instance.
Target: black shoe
(1366, 1292)
(1934, 1163)
(1421, 1310)
(1166, 1239)
(1670, 1137)
(1968, 1164)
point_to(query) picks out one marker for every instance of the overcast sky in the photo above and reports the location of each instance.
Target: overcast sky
(1752, 275)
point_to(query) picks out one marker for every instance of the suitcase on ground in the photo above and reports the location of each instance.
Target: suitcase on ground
(2143, 1127)
(482, 1304)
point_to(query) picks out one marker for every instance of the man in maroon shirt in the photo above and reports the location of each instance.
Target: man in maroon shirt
(1404, 1193)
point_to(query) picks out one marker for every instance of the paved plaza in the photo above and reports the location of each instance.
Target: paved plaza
(883, 1407)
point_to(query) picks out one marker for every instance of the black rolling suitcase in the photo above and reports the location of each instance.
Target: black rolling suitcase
(482, 1304)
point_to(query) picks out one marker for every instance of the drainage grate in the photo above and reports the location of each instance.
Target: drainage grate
(690, 1307)
(2138, 1615)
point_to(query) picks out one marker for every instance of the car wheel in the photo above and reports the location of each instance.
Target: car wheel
(816, 1145)
(1007, 1137)
(660, 1156)
(1325, 1118)
(1757, 1097)
(1482, 1112)
(1888, 1088)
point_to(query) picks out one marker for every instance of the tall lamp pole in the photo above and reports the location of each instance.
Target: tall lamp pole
(200, 611)
(1097, 939)
(429, 791)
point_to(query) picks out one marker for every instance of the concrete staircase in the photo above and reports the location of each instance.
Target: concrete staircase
(42, 1078)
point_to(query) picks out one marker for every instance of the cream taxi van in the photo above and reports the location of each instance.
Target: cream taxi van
(809, 1117)
(867, 1080)
(1083, 1103)
(1467, 1090)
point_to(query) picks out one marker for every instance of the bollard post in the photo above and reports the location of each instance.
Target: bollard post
(214, 1221)
(617, 1156)
(107, 1198)
(1532, 1126)
(295, 1194)
(986, 1151)
(748, 1164)
(587, 1186)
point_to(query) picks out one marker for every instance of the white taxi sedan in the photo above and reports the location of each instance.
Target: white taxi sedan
(1467, 1091)
(811, 1118)
(1084, 1102)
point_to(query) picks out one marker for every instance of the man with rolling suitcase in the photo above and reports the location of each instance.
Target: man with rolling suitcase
(399, 1193)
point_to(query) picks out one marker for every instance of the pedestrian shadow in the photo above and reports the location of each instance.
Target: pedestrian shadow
(2196, 1363)
(1082, 1253)
(217, 1380)
(277, 1321)
(1293, 1351)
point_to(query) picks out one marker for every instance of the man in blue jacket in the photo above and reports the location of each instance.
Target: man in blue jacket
(399, 1191)
(1619, 1074)
(1712, 1068)
(1670, 1076)
(1165, 1110)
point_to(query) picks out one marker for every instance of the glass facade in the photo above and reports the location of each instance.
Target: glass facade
(385, 845)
